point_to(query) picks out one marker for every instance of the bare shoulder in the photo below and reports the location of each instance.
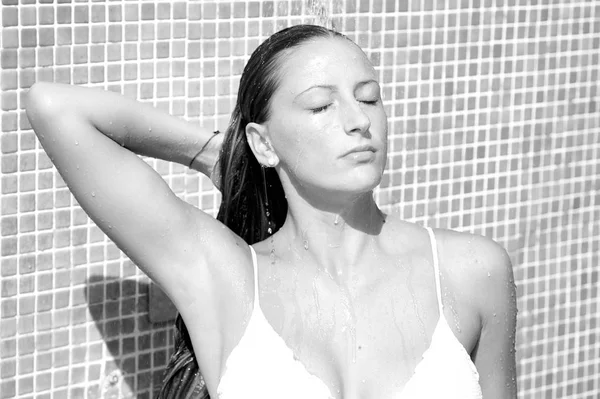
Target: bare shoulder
(465, 257)
(405, 237)
(456, 248)
(484, 254)
(479, 267)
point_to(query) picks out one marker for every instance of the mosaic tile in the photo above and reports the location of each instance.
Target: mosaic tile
(495, 107)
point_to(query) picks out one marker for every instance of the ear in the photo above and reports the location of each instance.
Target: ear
(258, 140)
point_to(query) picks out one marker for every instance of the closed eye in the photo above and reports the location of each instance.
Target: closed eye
(320, 109)
(369, 102)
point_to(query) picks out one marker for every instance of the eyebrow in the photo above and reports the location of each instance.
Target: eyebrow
(333, 87)
(329, 87)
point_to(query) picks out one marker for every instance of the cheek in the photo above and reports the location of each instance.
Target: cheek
(379, 118)
(301, 139)
(308, 152)
(379, 127)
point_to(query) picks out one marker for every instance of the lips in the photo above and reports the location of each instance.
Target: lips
(360, 148)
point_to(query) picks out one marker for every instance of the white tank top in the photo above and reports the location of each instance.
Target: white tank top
(263, 366)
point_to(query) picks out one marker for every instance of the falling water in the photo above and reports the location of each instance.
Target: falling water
(322, 10)
(352, 331)
(415, 303)
(455, 317)
(350, 324)
(316, 297)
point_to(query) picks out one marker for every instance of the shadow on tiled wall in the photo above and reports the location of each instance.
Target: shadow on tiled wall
(139, 346)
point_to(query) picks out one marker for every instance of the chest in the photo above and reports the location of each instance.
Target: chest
(367, 338)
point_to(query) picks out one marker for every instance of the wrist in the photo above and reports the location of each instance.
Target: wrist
(205, 159)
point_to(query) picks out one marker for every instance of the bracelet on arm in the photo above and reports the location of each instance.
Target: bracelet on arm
(203, 147)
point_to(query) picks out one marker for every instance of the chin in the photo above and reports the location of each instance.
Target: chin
(362, 181)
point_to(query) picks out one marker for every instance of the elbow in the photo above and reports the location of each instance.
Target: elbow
(41, 102)
(44, 108)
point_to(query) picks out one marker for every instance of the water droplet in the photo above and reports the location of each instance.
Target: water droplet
(416, 305)
(306, 244)
(455, 317)
(76, 142)
(336, 220)
(93, 194)
(272, 251)
(316, 296)
(149, 130)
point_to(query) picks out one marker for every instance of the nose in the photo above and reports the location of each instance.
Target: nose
(356, 119)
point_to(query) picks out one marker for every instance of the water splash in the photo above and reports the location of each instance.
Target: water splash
(455, 317)
(415, 303)
(402, 341)
(298, 314)
(305, 239)
(350, 326)
(321, 11)
(316, 297)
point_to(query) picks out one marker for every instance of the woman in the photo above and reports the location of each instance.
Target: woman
(333, 298)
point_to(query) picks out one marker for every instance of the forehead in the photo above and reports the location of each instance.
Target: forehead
(324, 60)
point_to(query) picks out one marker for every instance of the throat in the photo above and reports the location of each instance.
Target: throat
(335, 243)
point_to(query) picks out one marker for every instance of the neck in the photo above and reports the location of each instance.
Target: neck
(334, 238)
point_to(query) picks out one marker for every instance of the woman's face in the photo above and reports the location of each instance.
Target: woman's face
(327, 123)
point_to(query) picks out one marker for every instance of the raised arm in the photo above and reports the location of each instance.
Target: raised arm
(92, 137)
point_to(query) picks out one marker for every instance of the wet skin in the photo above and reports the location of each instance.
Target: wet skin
(355, 299)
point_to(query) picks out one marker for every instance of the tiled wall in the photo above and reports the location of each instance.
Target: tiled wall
(494, 117)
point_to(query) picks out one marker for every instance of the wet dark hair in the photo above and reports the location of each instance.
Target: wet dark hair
(248, 190)
(247, 187)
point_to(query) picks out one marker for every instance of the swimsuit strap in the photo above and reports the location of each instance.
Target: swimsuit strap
(436, 268)
(255, 267)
